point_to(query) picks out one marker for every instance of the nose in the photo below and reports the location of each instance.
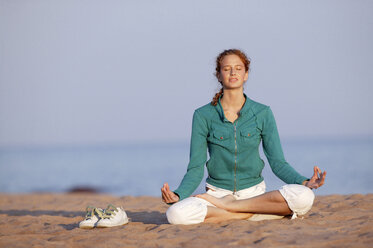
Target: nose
(233, 72)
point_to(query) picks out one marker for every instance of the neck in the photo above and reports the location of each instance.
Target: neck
(232, 98)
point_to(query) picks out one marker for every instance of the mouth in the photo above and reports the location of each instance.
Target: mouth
(233, 80)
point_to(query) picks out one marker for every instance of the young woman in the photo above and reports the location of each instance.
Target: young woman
(231, 128)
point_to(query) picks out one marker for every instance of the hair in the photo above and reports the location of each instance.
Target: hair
(245, 60)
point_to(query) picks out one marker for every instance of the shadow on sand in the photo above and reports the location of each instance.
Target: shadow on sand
(42, 212)
(145, 217)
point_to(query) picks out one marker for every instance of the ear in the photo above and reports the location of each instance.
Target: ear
(246, 76)
(218, 75)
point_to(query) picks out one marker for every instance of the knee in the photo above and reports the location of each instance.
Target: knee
(175, 215)
(186, 212)
(305, 200)
(298, 197)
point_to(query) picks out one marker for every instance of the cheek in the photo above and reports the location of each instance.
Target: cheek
(224, 75)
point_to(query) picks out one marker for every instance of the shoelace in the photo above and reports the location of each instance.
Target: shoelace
(99, 212)
(89, 212)
(109, 211)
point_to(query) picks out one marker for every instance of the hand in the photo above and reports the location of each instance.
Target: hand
(167, 195)
(317, 180)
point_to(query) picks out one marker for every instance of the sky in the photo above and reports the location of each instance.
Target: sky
(105, 72)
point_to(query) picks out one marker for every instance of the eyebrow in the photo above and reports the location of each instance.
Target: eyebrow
(231, 65)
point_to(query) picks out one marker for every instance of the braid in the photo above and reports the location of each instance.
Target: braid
(216, 97)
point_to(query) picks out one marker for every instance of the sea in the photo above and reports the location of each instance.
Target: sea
(141, 169)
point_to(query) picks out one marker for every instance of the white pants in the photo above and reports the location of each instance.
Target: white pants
(193, 210)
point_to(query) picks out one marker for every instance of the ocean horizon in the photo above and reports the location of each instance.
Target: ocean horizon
(142, 168)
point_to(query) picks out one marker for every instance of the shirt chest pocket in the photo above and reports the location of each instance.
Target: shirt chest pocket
(250, 136)
(220, 138)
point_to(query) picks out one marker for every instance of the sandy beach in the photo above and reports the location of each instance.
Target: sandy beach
(51, 220)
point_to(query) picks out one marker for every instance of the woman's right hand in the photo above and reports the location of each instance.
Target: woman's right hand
(167, 195)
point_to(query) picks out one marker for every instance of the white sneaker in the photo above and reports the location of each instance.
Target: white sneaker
(113, 216)
(91, 217)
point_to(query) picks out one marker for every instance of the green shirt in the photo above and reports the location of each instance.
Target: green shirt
(234, 162)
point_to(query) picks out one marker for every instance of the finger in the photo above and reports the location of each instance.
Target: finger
(163, 192)
(172, 196)
(165, 197)
(163, 187)
(322, 174)
(169, 195)
(319, 172)
(320, 181)
(167, 191)
(166, 188)
(322, 178)
(314, 176)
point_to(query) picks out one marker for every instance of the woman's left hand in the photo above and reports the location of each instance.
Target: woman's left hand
(317, 180)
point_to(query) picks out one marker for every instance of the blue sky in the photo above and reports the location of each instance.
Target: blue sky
(102, 72)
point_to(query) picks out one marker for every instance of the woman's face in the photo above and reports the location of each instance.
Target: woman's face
(232, 72)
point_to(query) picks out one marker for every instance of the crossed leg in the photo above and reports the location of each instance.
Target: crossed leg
(229, 208)
(217, 215)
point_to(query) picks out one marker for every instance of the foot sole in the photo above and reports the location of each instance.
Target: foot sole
(260, 217)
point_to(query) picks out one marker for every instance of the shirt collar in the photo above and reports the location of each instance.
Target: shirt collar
(244, 110)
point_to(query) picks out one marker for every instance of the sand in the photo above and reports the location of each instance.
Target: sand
(51, 220)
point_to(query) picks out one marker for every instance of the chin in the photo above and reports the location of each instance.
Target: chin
(232, 87)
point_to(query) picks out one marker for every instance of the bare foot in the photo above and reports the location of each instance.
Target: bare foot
(223, 202)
